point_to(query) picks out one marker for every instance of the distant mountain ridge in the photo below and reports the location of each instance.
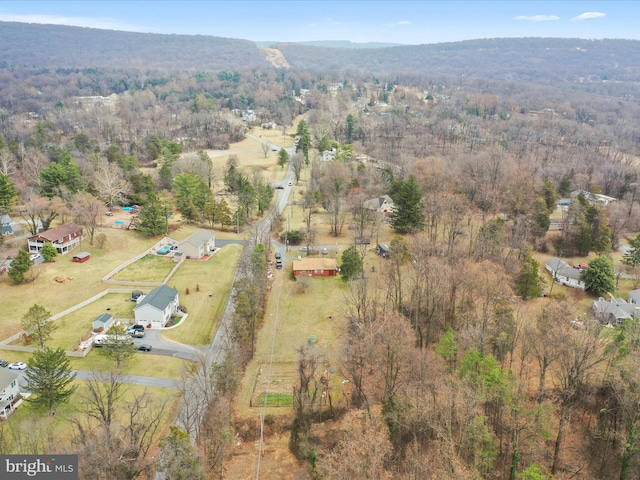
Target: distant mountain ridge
(338, 44)
(551, 61)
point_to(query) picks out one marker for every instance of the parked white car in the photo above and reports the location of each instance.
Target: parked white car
(17, 366)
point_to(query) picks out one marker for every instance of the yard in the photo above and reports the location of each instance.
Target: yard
(73, 327)
(150, 268)
(310, 318)
(214, 276)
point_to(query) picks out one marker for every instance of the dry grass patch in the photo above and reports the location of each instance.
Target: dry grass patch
(201, 278)
(145, 364)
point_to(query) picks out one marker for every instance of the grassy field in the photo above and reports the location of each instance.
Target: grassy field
(295, 316)
(212, 276)
(74, 327)
(150, 268)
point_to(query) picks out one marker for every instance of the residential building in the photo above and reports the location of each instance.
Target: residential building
(564, 273)
(156, 308)
(200, 244)
(9, 392)
(315, 267)
(64, 238)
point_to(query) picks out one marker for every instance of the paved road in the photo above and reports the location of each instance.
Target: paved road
(134, 379)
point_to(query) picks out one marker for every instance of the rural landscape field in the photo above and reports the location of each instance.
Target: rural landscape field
(311, 262)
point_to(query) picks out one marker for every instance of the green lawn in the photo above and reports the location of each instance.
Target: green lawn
(150, 268)
(77, 325)
(202, 278)
(275, 399)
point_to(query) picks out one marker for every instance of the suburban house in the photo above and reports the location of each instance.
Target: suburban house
(614, 311)
(5, 225)
(103, 322)
(156, 308)
(9, 392)
(328, 155)
(315, 267)
(564, 273)
(198, 245)
(594, 198)
(81, 257)
(65, 238)
(383, 204)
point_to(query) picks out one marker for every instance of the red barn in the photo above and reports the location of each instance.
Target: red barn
(81, 257)
(315, 267)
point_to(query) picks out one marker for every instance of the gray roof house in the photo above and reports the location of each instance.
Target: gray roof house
(156, 308)
(9, 392)
(198, 245)
(382, 204)
(564, 273)
(614, 311)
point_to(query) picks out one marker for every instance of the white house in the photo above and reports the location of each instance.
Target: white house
(594, 198)
(328, 155)
(564, 273)
(157, 307)
(9, 392)
(614, 311)
(198, 245)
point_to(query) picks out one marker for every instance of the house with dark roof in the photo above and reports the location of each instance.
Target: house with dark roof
(156, 308)
(564, 273)
(9, 392)
(65, 238)
(198, 245)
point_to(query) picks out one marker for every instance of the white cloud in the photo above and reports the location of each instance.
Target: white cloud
(537, 18)
(103, 23)
(588, 16)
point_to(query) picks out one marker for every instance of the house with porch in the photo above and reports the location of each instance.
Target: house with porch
(64, 238)
(9, 392)
(155, 309)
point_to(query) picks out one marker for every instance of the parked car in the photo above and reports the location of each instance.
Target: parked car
(325, 251)
(135, 328)
(278, 255)
(17, 366)
(305, 249)
(3, 363)
(109, 214)
(279, 187)
(137, 334)
(144, 347)
(279, 264)
(290, 184)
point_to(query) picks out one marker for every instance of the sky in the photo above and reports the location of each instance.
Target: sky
(411, 22)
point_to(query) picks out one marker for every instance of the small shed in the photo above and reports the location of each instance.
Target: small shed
(103, 322)
(383, 250)
(81, 257)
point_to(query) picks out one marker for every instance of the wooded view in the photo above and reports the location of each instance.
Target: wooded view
(460, 350)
